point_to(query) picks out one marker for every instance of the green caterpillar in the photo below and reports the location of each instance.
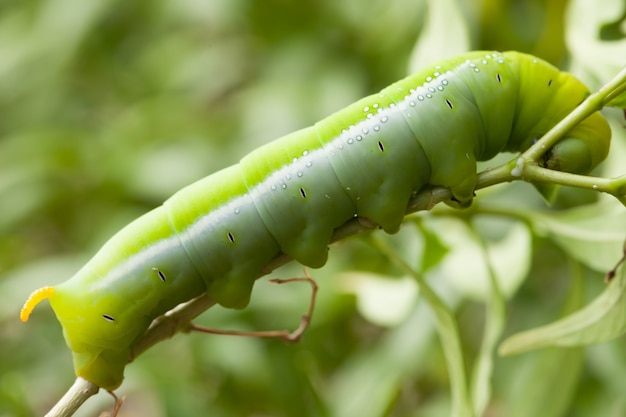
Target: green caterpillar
(367, 160)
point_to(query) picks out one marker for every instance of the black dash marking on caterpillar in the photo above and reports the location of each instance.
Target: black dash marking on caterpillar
(381, 146)
(231, 237)
(302, 192)
(449, 103)
(161, 275)
(108, 318)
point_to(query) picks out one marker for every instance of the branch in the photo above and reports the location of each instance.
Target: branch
(78, 393)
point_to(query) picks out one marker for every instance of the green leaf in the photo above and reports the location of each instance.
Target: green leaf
(445, 34)
(591, 234)
(464, 265)
(602, 320)
(435, 249)
(534, 391)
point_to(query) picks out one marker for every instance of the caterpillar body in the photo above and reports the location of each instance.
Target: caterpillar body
(367, 160)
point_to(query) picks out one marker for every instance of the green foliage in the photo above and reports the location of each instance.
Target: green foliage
(108, 107)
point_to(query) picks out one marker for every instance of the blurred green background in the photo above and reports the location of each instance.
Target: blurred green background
(108, 107)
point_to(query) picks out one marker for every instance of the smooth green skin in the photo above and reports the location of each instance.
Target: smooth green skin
(216, 235)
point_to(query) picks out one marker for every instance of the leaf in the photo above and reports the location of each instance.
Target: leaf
(445, 34)
(591, 234)
(602, 320)
(533, 391)
(382, 301)
(435, 249)
(464, 264)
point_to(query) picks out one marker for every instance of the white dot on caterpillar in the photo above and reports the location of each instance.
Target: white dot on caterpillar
(237, 210)
(305, 153)
(308, 164)
(376, 128)
(283, 186)
(366, 109)
(300, 173)
(384, 119)
(273, 187)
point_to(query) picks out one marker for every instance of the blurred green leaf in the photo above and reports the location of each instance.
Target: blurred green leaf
(591, 234)
(444, 35)
(602, 320)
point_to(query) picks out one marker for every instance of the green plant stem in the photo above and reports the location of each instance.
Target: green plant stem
(448, 333)
(495, 318)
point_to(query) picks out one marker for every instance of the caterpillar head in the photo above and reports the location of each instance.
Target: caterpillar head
(582, 149)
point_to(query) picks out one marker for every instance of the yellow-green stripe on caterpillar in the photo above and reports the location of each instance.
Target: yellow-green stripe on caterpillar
(216, 235)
